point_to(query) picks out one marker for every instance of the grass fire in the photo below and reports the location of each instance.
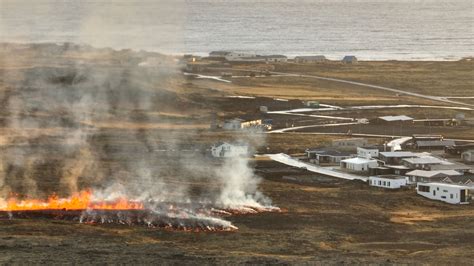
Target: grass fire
(83, 207)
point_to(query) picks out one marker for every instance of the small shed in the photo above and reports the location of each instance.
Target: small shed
(350, 59)
(388, 181)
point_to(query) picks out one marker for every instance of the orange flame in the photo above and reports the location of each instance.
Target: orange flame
(79, 201)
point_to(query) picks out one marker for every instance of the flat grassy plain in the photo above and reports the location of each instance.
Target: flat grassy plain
(139, 114)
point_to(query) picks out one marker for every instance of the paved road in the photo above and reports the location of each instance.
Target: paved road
(288, 160)
(312, 126)
(359, 135)
(414, 94)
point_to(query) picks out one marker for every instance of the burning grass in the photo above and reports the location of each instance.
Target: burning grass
(82, 207)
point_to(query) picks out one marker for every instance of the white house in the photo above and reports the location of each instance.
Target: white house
(453, 194)
(325, 156)
(349, 59)
(351, 143)
(310, 59)
(417, 176)
(274, 58)
(227, 150)
(359, 164)
(218, 54)
(238, 56)
(237, 124)
(388, 181)
(368, 152)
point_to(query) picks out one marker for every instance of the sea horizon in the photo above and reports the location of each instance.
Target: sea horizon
(371, 30)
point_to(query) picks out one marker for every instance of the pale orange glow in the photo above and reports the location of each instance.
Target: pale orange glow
(78, 201)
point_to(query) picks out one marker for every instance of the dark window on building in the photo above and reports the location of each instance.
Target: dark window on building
(424, 188)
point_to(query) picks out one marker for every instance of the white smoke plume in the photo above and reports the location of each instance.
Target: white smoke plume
(78, 117)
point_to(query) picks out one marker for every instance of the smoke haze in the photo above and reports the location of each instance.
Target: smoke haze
(75, 117)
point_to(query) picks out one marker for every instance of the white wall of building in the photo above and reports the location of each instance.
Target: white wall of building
(227, 150)
(236, 56)
(378, 181)
(367, 153)
(358, 164)
(444, 192)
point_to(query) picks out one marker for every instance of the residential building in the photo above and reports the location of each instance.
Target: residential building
(433, 144)
(350, 59)
(358, 164)
(239, 56)
(238, 123)
(419, 176)
(423, 163)
(463, 180)
(459, 149)
(326, 156)
(461, 168)
(468, 156)
(449, 193)
(368, 152)
(395, 157)
(351, 143)
(310, 59)
(393, 119)
(276, 58)
(227, 150)
(219, 54)
(388, 181)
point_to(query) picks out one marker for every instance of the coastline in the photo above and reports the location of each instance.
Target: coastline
(366, 56)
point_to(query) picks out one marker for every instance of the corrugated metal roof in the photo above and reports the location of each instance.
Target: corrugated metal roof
(391, 118)
(400, 154)
(423, 173)
(358, 160)
(425, 160)
(433, 143)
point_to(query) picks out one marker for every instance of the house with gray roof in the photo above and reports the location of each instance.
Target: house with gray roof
(310, 59)
(350, 59)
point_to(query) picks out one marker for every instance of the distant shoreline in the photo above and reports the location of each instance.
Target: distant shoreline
(332, 57)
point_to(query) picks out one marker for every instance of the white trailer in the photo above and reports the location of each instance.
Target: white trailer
(450, 193)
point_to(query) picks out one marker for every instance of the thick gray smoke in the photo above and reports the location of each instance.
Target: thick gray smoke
(85, 125)
(74, 117)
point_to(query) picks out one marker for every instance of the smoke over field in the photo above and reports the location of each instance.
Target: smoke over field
(75, 118)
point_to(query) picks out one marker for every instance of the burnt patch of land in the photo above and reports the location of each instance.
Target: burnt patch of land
(326, 222)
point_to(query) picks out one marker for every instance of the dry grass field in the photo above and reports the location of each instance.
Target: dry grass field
(136, 115)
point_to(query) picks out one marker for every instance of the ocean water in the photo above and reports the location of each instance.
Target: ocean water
(376, 30)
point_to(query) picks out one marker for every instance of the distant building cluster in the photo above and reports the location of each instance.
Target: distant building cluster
(276, 58)
(431, 175)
